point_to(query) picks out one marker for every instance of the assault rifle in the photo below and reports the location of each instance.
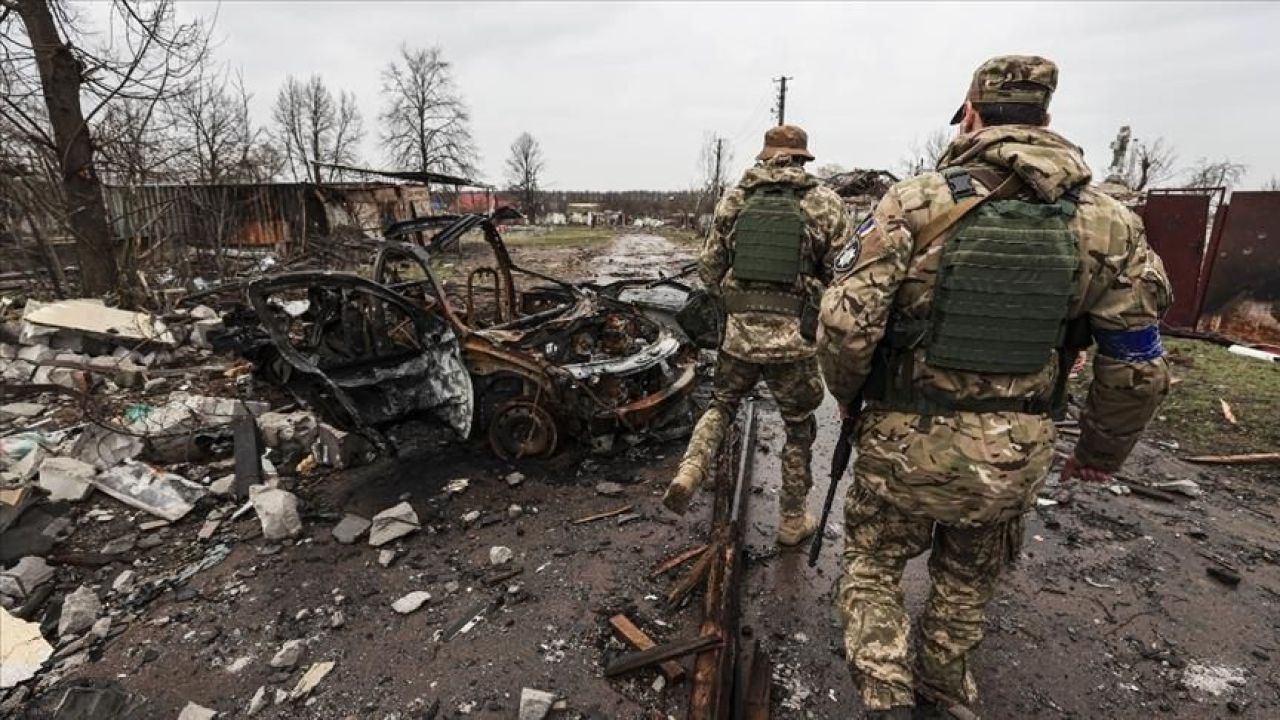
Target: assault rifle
(839, 463)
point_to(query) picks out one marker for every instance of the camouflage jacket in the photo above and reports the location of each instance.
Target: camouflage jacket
(974, 468)
(768, 337)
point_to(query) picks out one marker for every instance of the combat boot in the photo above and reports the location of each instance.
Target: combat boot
(681, 489)
(795, 528)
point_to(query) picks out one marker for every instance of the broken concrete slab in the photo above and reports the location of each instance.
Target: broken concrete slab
(23, 650)
(535, 704)
(162, 494)
(66, 478)
(258, 702)
(310, 679)
(22, 579)
(339, 448)
(290, 434)
(224, 486)
(105, 448)
(350, 528)
(21, 411)
(92, 317)
(277, 511)
(124, 581)
(197, 712)
(288, 655)
(79, 611)
(411, 602)
(393, 523)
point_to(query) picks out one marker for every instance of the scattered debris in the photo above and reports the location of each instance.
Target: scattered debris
(629, 633)
(457, 486)
(277, 511)
(603, 515)
(288, 655)
(500, 555)
(1224, 575)
(1182, 486)
(350, 528)
(1246, 459)
(610, 489)
(392, 523)
(21, 580)
(514, 479)
(79, 611)
(1226, 412)
(411, 602)
(66, 478)
(535, 704)
(23, 650)
(310, 679)
(258, 702)
(197, 712)
(1214, 680)
(162, 494)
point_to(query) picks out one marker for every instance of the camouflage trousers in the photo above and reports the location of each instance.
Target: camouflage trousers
(964, 566)
(796, 388)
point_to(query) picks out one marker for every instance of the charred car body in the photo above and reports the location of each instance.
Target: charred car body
(491, 349)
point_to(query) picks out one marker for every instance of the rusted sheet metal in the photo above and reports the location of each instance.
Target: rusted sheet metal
(1176, 225)
(271, 214)
(1242, 289)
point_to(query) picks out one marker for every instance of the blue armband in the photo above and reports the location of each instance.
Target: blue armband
(1130, 345)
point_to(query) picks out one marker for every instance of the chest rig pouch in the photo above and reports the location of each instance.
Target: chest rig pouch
(1005, 284)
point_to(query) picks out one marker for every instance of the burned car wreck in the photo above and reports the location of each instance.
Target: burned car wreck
(465, 336)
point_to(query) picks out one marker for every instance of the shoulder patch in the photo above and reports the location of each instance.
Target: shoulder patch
(848, 257)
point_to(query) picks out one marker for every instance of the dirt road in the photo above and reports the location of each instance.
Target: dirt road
(1109, 614)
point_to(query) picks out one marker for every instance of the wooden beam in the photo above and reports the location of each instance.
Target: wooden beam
(654, 655)
(627, 632)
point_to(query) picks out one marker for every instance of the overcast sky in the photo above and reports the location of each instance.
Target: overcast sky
(622, 95)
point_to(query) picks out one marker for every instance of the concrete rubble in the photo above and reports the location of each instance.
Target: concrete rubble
(277, 511)
(392, 524)
(23, 651)
(66, 478)
(80, 610)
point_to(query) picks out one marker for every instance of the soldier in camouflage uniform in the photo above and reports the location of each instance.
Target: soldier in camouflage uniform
(768, 258)
(961, 346)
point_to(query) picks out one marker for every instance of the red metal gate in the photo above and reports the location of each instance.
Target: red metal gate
(1176, 225)
(1242, 271)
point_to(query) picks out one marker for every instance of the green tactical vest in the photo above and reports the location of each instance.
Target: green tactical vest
(1006, 280)
(769, 235)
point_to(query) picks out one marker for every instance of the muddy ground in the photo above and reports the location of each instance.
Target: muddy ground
(1110, 613)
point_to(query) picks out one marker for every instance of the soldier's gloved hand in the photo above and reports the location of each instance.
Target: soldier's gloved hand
(1073, 469)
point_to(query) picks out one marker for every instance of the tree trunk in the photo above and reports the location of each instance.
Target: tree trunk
(86, 210)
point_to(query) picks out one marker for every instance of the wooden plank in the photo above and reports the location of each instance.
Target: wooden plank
(654, 655)
(676, 561)
(1246, 459)
(603, 515)
(627, 632)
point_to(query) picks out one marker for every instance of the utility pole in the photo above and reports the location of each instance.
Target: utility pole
(781, 109)
(716, 184)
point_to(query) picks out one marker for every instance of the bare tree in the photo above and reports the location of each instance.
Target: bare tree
(311, 125)
(524, 167)
(1272, 184)
(49, 55)
(925, 154)
(425, 123)
(212, 117)
(828, 170)
(1220, 173)
(1150, 164)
